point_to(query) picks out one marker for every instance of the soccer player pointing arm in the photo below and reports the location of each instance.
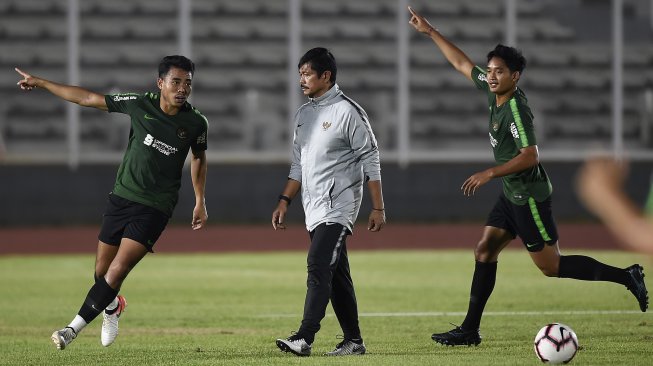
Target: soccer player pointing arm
(164, 128)
(524, 206)
(501, 81)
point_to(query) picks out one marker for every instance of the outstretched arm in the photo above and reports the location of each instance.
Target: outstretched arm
(75, 94)
(198, 168)
(600, 188)
(454, 55)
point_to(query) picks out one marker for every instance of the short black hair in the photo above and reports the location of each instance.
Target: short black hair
(510, 55)
(321, 60)
(177, 61)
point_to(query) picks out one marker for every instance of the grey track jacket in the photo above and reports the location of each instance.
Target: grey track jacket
(334, 152)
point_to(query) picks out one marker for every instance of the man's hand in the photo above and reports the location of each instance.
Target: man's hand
(472, 183)
(278, 216)
(598, 178)
(199, 217)
(419, 22)
(376, 220)
(28, 82)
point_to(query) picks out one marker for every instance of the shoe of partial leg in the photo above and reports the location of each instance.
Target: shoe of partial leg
(458, 337)
(295, 344)
(348, 347)
(110, 322)
(637, 285)
(63, 337)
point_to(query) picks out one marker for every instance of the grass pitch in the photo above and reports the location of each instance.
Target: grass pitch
(227, 309)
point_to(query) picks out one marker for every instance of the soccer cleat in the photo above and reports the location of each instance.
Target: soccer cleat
(637, 286)
(348, 347)
(458, 337)
(63, 337)
(110, 322)
(295, 344)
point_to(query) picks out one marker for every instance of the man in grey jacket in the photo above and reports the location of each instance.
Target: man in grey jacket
(334, 152)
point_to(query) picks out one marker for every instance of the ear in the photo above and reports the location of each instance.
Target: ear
(326, 75)
(515, 76)
(159, 83)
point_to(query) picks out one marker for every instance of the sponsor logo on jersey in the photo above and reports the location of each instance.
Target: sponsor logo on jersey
(147, 116)
(513, 130)
(482, 77)
(495, 126)
(201, 139)
(161, 146)
(121, 97)
(326, 125)
(493, 141)
(182, 133)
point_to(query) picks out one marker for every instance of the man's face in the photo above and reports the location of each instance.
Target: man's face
(499, 77)
(312, 84)
(175, 86)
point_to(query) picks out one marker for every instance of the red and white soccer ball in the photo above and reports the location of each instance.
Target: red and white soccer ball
(556, 343)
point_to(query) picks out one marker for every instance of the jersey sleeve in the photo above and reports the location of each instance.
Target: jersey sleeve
(122, 102)
(363, 143)
(479, 77)
(200, 142)
(522, 128)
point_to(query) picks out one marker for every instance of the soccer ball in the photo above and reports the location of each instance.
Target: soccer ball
(556, 343)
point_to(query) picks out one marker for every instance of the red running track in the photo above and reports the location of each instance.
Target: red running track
(247, 238)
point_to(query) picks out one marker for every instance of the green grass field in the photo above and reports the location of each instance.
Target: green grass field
(227, 309)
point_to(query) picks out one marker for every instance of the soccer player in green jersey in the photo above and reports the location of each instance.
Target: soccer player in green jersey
(600, 187)
(164, 127)
(524, 207)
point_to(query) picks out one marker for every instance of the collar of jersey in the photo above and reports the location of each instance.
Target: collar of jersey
(326, 97)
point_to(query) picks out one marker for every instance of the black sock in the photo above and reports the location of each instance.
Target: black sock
(485, 275)
(585, 268)
(98, 297)
(357, 340)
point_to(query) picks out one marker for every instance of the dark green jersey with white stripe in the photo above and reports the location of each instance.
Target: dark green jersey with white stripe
(511, 129)
(150, 172)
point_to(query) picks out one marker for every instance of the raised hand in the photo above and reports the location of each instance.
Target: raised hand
(419, 22)
(28, 82)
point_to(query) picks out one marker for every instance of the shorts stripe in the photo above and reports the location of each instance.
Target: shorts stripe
(538, 219)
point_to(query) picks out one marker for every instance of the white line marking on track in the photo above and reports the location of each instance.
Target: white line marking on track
(487, 313)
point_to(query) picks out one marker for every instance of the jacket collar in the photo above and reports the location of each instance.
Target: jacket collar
(325, 98)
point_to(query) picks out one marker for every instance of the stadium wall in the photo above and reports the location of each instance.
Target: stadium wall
(56, 195)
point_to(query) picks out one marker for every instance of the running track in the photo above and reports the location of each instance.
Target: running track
(246, 238)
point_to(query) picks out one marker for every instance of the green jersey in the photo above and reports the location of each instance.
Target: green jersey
(511, 129)
(150, 172)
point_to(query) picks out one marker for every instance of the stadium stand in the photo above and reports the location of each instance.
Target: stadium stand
(240, 48)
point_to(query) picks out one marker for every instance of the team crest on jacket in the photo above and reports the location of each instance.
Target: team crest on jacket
(326, 125)
(495, 126)
(182, 133)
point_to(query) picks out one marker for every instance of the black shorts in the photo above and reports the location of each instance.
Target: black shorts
(127, 219)
(533, 221)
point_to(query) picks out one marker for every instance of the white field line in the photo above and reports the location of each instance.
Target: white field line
(487, 313)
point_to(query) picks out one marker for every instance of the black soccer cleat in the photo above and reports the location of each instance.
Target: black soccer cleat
(458, 337)
(637, 286)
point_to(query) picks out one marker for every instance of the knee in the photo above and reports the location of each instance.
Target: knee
(483, 253)
(116, 274)
(318, 274)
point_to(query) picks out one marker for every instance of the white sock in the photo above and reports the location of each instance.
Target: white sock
(113, 304)
(78, 324)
